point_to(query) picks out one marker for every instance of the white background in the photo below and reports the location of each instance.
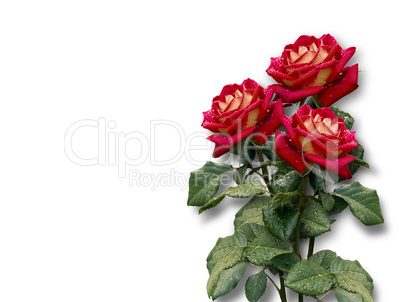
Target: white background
(70, 232)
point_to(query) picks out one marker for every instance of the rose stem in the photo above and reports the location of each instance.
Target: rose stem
(311, 247)
(265, 176)
(264, 169)
(302, 206)
(282, 292)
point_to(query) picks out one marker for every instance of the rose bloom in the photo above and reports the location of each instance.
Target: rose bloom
(314, 66)
(240, 111)
(316, 136)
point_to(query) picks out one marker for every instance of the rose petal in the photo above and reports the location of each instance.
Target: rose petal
(309, 78)
(288, 122)
(242, 121)
(345, 55)
(349, 142)
(285, 150)
(314, 144)
(210, 124)
(290, 97)
(224, 143)
(341, 87)
(270, 123)
(338, 167)
(305, 110)
(279, 76)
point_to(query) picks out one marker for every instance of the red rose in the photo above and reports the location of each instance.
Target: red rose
(240, 111)
(316, 136)
(313, 66)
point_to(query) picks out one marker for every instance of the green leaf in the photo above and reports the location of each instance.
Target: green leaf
(350, 276)
(284, 262)
(252, 231)
(256, 286)
(268, 150)
(339, 205)
(282, 198)
(254, 187)
(349, 120)
(204, 183)
(251, 212)
(308, 278)
(315, 220)
(358, 153)
(370, 285)
(287, 182)
(327, 200)
(265, 247)
(344, 296)
(227, 252)
(323, 258)
(281, 221)
(223, 282)
(363, 202)
(245, 150)
(240, 174)
(317, 179)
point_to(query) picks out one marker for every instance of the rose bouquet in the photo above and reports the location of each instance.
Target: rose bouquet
(290, 168)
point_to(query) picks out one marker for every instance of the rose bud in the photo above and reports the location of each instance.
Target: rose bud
(240, 111)
(316, 136)
(314, 66)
